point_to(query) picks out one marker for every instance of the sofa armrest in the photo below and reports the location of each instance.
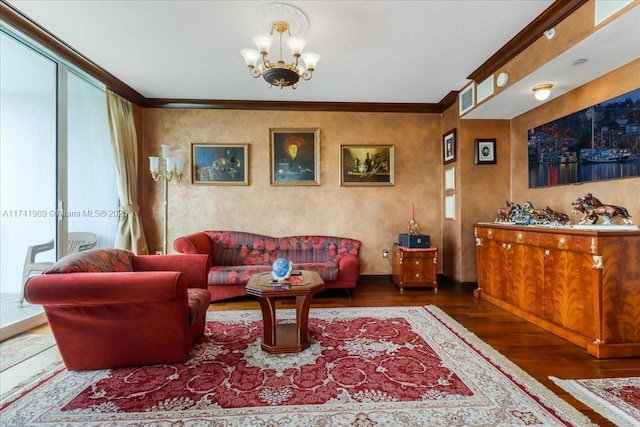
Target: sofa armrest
(195, 243)
(106, 288)
(195, 267)
(349, 268)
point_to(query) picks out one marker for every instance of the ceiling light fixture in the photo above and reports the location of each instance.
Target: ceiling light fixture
(280, 19)
(542, 92)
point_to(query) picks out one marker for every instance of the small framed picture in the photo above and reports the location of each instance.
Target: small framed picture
(449, 147)
(366, 165)
(485, 151)
(295, 156)
(466, 99)
(450, 179)
(220, 164)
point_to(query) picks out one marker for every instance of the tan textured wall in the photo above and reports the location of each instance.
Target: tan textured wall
(374, 215)
(623, 192)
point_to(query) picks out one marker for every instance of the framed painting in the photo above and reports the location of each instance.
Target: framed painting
(449, 147)
(295, 156)
(485, 151)
(220, 164)
(366, 165)
(467, 99)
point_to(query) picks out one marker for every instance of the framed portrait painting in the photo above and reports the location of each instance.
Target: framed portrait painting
(295, 156)
(366, 165)
(220, 164)
(485, 151)
(449, 147)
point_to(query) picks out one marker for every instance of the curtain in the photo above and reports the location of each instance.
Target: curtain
(124, 141)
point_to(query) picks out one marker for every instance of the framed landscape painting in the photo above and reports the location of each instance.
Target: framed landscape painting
(366, 165)
(220, 164)
(295, 156)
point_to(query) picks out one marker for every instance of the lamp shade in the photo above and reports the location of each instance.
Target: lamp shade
(250, 56)
(263, 42)
(154, 164)
(296, 44)
(310, 60)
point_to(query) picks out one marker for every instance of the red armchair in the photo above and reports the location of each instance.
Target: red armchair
(110, 308)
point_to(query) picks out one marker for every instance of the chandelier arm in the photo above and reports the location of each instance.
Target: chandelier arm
(265, 60)
(307, 75)
(255, 73)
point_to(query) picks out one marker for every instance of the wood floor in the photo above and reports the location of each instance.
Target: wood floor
(539, 353)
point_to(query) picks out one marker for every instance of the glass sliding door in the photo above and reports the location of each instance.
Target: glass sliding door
(28, 182)
(57, 170)
(92, 200)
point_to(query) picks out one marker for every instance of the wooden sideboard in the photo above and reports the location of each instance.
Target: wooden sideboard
(582, 285)
(415, 267)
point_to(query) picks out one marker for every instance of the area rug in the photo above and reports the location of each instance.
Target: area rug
(617, 399)
(20, 348)
(401, 366)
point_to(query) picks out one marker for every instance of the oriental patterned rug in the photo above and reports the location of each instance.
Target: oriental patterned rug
(401, 366)
(20, 348)
(617, 399)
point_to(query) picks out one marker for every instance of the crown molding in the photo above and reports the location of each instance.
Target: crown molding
(366, 107)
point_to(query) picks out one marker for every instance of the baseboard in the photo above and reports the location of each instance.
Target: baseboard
(455, 284)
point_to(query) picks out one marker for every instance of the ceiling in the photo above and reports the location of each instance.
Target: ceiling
(371, 51)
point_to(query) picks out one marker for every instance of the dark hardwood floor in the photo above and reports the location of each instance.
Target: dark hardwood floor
(539, 353)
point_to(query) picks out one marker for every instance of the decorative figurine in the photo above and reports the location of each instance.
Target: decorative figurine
(504, 213)
(413, 229)
(528, 215)
(590, 207)
(281, 270)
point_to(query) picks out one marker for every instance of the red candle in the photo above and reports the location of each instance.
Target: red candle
(412, 211)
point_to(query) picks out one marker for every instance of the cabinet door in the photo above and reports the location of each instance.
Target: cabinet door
(491, 267)
(571, 291)
(527, 277)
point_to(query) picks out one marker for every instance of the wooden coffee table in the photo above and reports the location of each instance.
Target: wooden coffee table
(289, 337)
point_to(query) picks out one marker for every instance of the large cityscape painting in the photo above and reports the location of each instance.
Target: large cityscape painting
(600, 142)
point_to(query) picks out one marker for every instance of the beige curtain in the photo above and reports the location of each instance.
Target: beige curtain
(125, 147)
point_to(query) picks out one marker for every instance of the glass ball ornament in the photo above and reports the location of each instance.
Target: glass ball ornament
(281, 269)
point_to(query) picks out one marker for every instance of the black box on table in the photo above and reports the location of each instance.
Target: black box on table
(413, 241)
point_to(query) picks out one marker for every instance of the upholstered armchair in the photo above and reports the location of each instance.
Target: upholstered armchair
(110, 308)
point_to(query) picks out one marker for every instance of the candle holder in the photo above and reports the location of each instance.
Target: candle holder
(174, 169)
(413, 229)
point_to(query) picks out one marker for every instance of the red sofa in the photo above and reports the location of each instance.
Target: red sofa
(109, 308)
(236, 255)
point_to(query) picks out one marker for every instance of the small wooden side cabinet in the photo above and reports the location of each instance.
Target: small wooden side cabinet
(415, 267)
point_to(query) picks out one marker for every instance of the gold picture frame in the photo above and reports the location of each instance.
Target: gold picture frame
(295, 156)
(367, 165)
(220, 164)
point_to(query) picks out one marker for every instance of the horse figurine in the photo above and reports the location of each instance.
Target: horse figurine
(504, 213)
(591, 208)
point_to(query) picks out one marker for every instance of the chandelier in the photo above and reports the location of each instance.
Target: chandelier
(280, 19)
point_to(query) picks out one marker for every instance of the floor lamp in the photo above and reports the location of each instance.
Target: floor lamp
(173, 168)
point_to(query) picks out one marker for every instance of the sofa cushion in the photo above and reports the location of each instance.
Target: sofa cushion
(235, 274)
(199, 300)
(239, 248)
(94, 261)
